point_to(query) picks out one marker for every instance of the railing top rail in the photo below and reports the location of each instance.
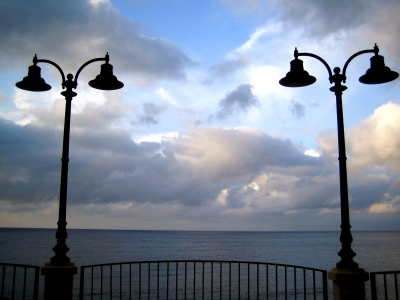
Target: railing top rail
(385, 272)
(204, 261)
(18, 265)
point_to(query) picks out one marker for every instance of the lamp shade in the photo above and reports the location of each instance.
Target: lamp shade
(33, 82)
(378, 72)
(297, 77)
(106, 80)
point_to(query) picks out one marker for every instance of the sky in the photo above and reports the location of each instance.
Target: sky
(202, 136)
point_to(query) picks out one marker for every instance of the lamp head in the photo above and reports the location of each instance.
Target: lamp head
(106, 80)
(378, 72)
(33, 82)
(297, 76)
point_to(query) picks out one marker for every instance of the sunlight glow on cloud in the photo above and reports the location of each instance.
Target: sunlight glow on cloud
(265, 81)
(312, 152)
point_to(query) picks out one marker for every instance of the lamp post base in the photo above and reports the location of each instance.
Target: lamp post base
(348, 284)
(58, 280)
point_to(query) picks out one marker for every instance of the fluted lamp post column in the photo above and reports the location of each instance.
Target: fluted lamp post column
(348, 278)
(59, 271)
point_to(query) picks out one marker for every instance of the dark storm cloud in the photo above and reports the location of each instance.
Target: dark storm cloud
(297, 109)
(237, 101)
(72, 32)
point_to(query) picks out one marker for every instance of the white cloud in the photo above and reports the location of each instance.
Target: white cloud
(376, 141)
(312, 152)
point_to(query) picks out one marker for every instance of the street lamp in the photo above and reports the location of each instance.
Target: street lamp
(35, 83)
(378, 73)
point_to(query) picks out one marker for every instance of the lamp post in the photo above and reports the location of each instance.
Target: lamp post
(378, 73)
(60, 267)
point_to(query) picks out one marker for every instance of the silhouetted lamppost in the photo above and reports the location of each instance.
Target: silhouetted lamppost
(35, 83)
(378, 73)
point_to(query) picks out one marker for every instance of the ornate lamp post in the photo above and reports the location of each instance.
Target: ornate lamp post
(60, 269)
(298, 77)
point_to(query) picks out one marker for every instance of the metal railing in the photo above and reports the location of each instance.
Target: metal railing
(19, 281)
(385, 284)
(198, 279)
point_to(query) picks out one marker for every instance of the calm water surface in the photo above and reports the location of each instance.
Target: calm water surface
(376, 251)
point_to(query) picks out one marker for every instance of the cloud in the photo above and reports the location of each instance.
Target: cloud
(70, 33)
(226, 68)
(376, 140)
(237, 101)
(373, 163)
(386, 207)
(200, 174)
(150, 114)
(108, 167)
(322, 17)
(297, 109)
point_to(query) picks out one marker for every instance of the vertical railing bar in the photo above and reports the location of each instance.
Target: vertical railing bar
(3, 281)
(176, 282)
(167, 280)
(202, 282)
(385, 285)
(325, 284)
(239, 279)
(130, 281)
(91, 284)
(285, 282)
(248, 280)
(276, 282)
(194, 280)
(373, 287)
(81, 281)
(24, 291)
(140, 281)
(230, 280)
(13, 283)
(36, 285)
(304, 283)
(148, 281)
(258, 280)
(101, 282)
(315, 292)
(212, 280)
(120, 281)
(295, 283)
(158, 280)
(396, 288)
(267, 280)
(185, 277)
(220, 280)
(110, 281)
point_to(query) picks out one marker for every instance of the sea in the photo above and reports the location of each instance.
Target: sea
(376, 251)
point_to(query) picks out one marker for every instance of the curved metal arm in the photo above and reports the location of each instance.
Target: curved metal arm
(106, 59)
(375, 50)
(35, 60)
(320, 59)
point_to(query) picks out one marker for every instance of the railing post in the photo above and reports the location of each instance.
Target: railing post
(348, 284)
(81, 282)
(58, 280)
